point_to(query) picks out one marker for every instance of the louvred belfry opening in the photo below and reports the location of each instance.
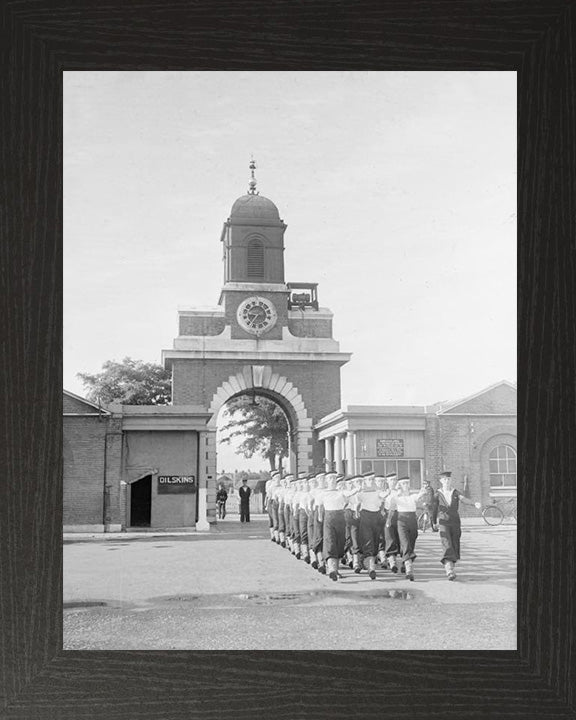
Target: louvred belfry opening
(255, 260)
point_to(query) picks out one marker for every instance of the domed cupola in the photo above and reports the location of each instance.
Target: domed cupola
(253, 239)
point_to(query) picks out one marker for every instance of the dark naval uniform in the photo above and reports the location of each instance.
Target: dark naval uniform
(445, 513)
(245, 493)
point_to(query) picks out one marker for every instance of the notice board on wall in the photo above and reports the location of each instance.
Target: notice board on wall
(390, 448)
(176, 484)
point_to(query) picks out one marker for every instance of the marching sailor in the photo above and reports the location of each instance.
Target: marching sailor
(269, 489)
(316, 555)
(369, 503)
(445, 513)
(288, 495)
(280, 494)
(391, 540)
(331, 509)
(353, 486)
(404, 504)
(303, 511)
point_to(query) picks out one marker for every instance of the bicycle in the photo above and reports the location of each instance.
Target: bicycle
(424, 520)
(494, 514)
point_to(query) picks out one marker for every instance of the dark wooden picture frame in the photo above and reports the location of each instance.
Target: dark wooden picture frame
(40, 40)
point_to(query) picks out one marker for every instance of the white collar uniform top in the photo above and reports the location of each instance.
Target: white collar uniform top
(369, 500)
(334, 500)
(305, 499)
(406, 503)
(389, 497)
(296, 498)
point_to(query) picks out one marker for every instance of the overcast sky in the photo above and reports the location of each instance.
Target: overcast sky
(398, 189)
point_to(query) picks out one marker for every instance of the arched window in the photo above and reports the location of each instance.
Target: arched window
(503, 467)
(255, 259)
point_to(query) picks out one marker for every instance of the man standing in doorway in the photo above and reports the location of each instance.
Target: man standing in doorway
(245, 493)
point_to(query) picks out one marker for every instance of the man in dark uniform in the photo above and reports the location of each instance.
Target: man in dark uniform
(245, 493)
(445, 513)
(221, 498)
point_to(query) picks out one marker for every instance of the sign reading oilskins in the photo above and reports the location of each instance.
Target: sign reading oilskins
(176, 484)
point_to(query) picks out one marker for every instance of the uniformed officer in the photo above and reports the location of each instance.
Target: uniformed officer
(445, 513)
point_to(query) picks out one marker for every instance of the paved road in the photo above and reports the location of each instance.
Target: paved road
(233, 589)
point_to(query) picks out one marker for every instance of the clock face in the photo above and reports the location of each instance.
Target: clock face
(256, 315)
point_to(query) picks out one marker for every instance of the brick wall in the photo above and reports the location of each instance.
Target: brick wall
(84, 440)
(459, 444)
(195, 382)
(501, 399)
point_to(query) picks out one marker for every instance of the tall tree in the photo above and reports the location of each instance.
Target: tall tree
(130, 382)
(264, 426)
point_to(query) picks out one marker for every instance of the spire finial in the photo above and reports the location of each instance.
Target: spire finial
(252, 183)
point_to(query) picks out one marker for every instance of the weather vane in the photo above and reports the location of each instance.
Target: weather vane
(252, 183)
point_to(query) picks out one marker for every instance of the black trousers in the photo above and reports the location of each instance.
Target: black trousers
(310, 529)
(369, 531)
(391, 535)
(288, 520)
(318, 541)
(244, 511)
(352, 532)
(334, 534)
(407, 533)
(274, 511)
(450, 534)
(303, 526)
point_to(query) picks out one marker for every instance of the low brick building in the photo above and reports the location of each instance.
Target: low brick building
(474, 437)
(132, 466)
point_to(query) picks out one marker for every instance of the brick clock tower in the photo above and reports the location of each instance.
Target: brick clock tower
(266, 337)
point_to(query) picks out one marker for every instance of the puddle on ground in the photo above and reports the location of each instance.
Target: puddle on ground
(83, 604)
(288, 598)
(244, 600)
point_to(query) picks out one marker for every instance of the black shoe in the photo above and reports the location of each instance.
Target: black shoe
(451, 576)
(358, 570)
(322, 569)
(410, 576)
(394, 569)
(297, 556)
(350, 565)
(403, 569)
(314, 564)
(333, 575)
(283, 544)
(307, 560)
(372, 575)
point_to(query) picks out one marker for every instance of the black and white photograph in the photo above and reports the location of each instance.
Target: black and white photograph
(289, 386)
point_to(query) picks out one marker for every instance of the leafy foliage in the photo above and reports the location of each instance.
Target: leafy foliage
(265, 426)
(130, 382)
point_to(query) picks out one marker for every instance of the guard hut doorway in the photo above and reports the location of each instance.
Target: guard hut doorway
(141, 502)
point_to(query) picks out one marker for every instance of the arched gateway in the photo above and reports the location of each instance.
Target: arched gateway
(265, 337)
